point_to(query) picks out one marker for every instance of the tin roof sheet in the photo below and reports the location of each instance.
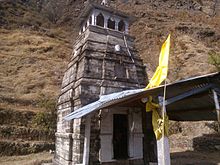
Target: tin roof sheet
(190, 99)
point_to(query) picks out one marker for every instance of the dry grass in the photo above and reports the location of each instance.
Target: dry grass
(194, 34)
(17, 107)
(34, 58)
(33, 51)
(17, 14)
(34, 54)
(32, 62)
(32, 159)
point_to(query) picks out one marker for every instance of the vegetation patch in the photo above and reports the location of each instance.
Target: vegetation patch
(46, 120)
(214, 59)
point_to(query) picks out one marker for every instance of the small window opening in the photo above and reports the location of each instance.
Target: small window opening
(120, 136)
(100, 20)
(121, 26)
(111, 23)
(120, 71)
(90, 20)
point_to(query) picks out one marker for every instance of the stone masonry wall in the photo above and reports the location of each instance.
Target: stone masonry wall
(95, 68)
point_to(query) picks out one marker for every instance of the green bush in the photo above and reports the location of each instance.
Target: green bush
(214, 59)
(46, 120)
(46, 102)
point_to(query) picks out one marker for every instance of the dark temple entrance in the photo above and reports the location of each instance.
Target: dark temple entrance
(149, 141)
(120, 136)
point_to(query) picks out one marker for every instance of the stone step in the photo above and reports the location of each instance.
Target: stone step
(25, 133)
(9, 148)
(14, 117)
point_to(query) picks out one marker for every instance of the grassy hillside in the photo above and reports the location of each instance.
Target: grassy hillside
(35, 49)
(195, 30)
(36, 42)
(34, 53)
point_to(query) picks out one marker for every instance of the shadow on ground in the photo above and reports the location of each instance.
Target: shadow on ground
(206, 151)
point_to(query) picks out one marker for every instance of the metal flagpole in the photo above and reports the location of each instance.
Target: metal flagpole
(165, 139)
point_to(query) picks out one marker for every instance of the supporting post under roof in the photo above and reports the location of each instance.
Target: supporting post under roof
(217, 107)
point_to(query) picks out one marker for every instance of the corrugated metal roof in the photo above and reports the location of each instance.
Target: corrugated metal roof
(189, 99)
(103, 102)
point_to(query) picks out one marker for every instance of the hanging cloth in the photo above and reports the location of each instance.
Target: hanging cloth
(157, 120)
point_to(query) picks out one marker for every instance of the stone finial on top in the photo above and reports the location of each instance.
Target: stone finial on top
(105, 2)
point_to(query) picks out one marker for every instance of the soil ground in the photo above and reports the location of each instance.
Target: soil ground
(178, 157)
(32, 159)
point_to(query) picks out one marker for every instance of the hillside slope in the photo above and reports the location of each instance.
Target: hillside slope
(30, 40)
(34, 53)
(195, 31)
(195, 36)
(36, 43)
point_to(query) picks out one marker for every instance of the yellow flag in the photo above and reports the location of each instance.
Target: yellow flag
(159, 125)
(161, 72)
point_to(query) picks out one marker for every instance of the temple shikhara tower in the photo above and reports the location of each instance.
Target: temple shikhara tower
(103, 61)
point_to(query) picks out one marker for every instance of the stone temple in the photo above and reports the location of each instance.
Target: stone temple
(104, 61)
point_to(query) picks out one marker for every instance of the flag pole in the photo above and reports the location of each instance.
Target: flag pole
(158, 123)
(165, 139)
(166, 148)
(164, 106)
